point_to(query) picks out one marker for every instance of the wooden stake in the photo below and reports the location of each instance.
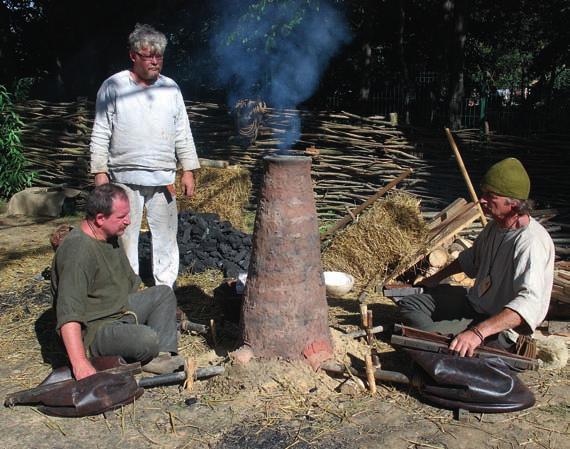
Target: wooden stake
(190, 366)
(369, 324)
(370, 339)
(465, 175)
(364, 315)
(370, 374)
(213, 331)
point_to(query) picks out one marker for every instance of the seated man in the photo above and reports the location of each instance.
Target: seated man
(512, 262)
(95, 294)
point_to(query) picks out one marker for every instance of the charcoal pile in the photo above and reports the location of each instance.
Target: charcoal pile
(205, 242)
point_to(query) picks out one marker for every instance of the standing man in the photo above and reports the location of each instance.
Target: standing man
(512, 262)
(141, 130)
(95, 291)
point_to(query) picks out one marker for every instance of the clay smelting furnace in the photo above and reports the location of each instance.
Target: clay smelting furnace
(284, 312)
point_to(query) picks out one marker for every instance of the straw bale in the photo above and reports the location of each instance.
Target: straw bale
(224, 191)
(385, 238)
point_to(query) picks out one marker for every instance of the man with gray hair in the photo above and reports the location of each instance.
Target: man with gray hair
(512, 262)
(141, 131)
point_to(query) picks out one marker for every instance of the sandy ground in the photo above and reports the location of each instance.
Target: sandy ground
(267, 404)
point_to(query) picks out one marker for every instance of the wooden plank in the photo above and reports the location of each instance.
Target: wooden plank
(455, 226)
(449, 212)
(439, 229)
(445, 234)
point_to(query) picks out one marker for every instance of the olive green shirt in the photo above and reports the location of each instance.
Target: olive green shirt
(91, 281)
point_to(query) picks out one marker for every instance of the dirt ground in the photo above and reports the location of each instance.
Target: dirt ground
(266, 404)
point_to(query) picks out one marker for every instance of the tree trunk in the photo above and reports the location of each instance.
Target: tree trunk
(402, 61)
(365, 83)
(285, 311)
(455, 14)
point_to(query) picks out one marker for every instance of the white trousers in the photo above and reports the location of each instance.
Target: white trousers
(162, 217)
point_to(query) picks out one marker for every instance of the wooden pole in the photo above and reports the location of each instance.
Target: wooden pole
(350, 217)
(465, 175)
(370, 374)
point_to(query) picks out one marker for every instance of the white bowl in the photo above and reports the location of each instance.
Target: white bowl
(338, 283)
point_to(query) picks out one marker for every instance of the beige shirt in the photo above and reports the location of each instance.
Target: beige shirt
(520, 266)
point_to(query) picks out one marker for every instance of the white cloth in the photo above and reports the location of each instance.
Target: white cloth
(162, 218)
(520, 263)
(140, 132)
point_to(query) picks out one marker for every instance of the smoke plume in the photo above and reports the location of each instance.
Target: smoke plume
(276, 51)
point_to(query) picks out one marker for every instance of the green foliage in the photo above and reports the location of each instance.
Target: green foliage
(22, 89)
(518, 43)
(325, 226)
(14, 176)
(277, 14)
(563, 79)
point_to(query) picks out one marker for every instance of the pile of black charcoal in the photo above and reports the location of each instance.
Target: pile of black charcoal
(205, 242)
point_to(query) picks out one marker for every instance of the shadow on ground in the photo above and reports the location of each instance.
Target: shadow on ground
(52, 349)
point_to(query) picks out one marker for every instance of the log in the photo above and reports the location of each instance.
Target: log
(438, 257)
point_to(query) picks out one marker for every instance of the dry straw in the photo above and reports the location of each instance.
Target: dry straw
(384, 239)
(224, 191)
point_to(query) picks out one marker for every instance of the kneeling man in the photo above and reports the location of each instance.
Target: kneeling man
(99, 308)
(512, 262)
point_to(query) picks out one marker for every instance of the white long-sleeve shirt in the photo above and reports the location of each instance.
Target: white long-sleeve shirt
(520, 263)
(140, 132)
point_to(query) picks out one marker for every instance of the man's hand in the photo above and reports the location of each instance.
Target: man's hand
(101, 178)
(429, 282)
(187, 183)
(73, 342)
(465, 343)
(83, 369)
(433, 281)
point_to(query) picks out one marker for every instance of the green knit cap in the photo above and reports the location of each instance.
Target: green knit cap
(507, 178)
